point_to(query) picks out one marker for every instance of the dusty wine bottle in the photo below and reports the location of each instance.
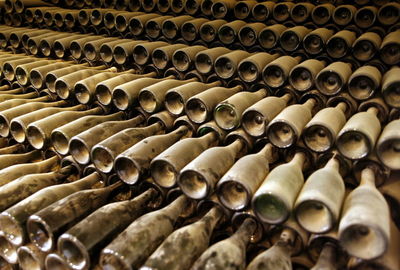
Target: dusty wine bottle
(81, 144)
(89, 235)
(131, 164)
(13, 220)
(233, 189)
(45, 226)
(131, 248)
(361, 235)
(274, 199)
(104, 152)
(166, 166)
(318, 205)
(229, 253)
(199, 177)
(180, 249)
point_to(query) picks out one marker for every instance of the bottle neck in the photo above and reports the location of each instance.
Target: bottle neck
(246, 230)
(310, 103)
(269, 153)
(48, 163)
(171, 77)
(367, 177)
(149, 75)
(327, 259)
(79, 107)
(180, 131)
(115, 185)
(298, 59)
(333, 163)
(155, 127)
(44, 98)
(27, 95)
(129, 71)
(111, 69)
(58, 103)
(236, 89)
(175, 208)
(32, 155)
(144, 198)
(114, 116)
(88, 181)
(286, 98)
(100, 68)
(190, 80)
(66, 171)
(341, 106)
(210, 137)
(373, 110)
(299, 159)
(214, 84)
(212, 217)
(108, 189)
(261, 93)
(236, 146)
(97, 110)
(135, 121)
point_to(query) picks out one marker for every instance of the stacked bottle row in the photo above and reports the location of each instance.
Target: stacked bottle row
(230, 108)
(275, 198)
(236, 34)
(129, 154)
(268, 11)
(264, 199)
(275, 71)
(77, 244)
(283, 126)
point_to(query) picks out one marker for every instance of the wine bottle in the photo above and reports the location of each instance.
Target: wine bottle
(277, 256)
(8, 115)
(131, 164)
(275, 198)
(14, 159)
(227, 113)
(276, 72)
(15, 171)
(90, 235)
(229, 253)
(39, 132)
(365, 236)
(318, 205)
(199, 177)
(234, 189)
(13, 219)
(27, 185)
(180, 249)
(387, 145)
(176, 97)
(286, 128)
(19, 125)
(166, 166)
(358, 136)
(256, 118)
(134, 245)
(81, 144)
(319, 134)
(200, 107)
(30, 257)
(61, 136)
(45, 226)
